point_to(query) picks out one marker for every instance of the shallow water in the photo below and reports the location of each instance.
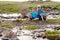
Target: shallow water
(14, 16)
(27, 34)
(25, 38)
(30, 38)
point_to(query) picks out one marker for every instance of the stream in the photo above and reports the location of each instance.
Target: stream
(36, 34)
(33, 34)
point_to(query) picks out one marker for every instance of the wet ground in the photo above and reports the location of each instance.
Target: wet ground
(37, 34)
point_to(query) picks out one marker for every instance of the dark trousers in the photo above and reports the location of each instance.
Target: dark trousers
(44, 17)
(39, 17)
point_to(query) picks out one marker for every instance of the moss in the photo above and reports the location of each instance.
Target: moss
(53, 32)
(30, 27)
(53, 35)
(6, 25)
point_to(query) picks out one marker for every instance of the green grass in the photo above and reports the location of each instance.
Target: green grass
(16, 7)
(52, 21)
(30, 27)
(53, 32)
(6, 25)
(48, 21)
(52, 35)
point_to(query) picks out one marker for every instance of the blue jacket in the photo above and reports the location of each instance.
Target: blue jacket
(40, 11)
(44, 13)
(34, 14)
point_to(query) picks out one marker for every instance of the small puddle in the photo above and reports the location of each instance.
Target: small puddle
(25, 38)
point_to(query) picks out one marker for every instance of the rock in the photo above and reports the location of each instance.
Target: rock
(9, 35)
(2, 29)
(10, 39)
(1, 35)
(39, 30)
(44, 37)
(57, 28)
(4, 39)
(38, 36)
(14, 38)
(34, 37)
(20, 29)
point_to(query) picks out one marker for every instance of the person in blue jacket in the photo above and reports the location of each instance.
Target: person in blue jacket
(39, 10)
(43, 14)
(34, 14)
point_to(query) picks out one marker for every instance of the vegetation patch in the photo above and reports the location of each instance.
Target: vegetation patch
(52, 21)
(6, 25)
(48, 21)
(17, 21)
(15, 7)
(30, 27)
(26, 21)
(53, 32)
(53, 35)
